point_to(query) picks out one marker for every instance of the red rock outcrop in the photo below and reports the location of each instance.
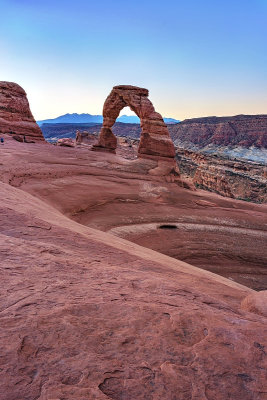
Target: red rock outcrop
(67, 142)
(256, 303)
(15, 115)
(155, 139)
(79, 137)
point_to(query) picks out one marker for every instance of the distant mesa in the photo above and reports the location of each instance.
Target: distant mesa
(155, 139)
(15, 115)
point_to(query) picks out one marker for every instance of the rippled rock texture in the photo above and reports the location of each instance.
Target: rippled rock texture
(87, 315)
(15, 115)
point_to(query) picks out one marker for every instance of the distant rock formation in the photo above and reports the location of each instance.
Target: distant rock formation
(155, 139)
(67, 142)
(84, 137)
(15, 115)
(240, 130)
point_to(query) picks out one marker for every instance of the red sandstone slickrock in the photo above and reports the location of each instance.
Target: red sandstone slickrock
(86, 315)
(15, 115)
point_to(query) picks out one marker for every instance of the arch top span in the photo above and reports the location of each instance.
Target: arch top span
(155, 139)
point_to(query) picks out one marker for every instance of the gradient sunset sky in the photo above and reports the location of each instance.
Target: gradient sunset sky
(197, 58)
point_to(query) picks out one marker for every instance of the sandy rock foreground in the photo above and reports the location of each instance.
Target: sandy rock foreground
(87, 315)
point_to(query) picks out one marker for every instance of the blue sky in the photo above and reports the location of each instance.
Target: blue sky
(197, 58)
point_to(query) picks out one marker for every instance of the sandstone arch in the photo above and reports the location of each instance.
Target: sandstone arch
(155, 140)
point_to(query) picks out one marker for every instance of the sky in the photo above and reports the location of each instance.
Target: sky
(197, 58)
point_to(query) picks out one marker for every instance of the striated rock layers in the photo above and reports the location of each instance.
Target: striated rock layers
(239, 179)
(240, 130)
(155, 139)
(15, 115)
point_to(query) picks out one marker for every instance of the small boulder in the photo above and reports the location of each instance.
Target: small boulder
(67, 142)
(256, 303)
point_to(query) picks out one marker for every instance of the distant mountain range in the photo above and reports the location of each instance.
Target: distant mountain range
(88, 118)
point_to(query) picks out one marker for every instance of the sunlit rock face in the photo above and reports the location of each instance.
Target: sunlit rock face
(155, 139)
(16, 118)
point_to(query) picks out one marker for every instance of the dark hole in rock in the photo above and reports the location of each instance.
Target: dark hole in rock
(167, 226)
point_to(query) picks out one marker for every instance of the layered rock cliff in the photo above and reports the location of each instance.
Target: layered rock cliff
(239, 179)
(243, 136)
(240, 130)
(16, 118)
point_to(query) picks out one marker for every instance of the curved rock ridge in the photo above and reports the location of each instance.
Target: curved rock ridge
(155, 139)
(16, 118)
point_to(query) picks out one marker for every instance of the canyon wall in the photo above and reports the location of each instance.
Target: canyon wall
(16, 118)
(226, 155)
(239, 179)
